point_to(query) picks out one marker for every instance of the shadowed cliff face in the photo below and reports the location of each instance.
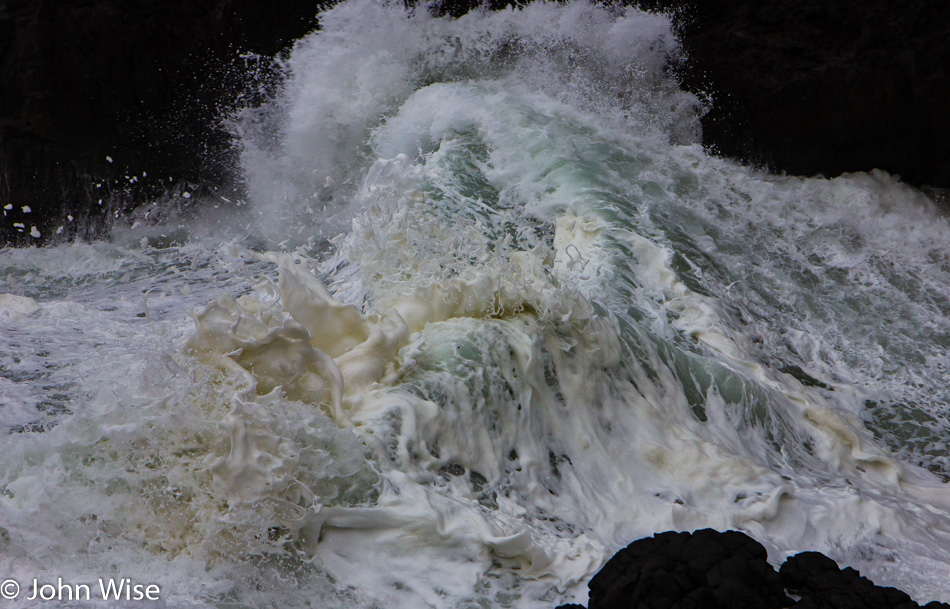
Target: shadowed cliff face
(806, 87)
(815, 87)
(142, 82)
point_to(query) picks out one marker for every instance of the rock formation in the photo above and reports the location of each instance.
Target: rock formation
(712, 570)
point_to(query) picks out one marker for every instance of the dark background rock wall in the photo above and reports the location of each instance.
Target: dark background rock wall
(804, 86)
(823, 86)
(140, 81)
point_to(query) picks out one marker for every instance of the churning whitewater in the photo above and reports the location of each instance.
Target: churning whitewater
(488, 314)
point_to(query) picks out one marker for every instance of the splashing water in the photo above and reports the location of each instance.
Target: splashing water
(495, 315)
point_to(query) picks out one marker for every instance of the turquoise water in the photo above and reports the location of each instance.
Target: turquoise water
(488, 313)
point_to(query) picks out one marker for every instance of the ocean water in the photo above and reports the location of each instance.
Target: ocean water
(488, 313)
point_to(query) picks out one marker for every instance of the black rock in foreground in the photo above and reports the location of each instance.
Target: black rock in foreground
(708, 569)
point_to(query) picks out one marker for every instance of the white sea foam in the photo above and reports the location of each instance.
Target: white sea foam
(528, 321)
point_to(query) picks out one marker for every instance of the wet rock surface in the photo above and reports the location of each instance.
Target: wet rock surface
(709, 569)
(822, 585)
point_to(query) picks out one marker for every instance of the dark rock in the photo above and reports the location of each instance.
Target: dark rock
(705, 569)
(712, 570)
(821, 585)
(143, 82)
(814, 87)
